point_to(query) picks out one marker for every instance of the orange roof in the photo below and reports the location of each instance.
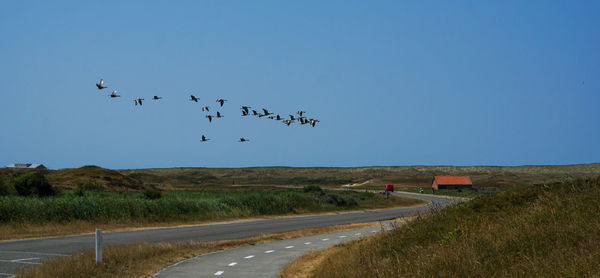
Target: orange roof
(453, 180)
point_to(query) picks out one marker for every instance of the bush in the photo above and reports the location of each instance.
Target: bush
(4, 187)
(33, 183)
(152, 194)
(312, 188)
(88, 186)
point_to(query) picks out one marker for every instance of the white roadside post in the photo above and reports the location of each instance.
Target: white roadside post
(98, 246)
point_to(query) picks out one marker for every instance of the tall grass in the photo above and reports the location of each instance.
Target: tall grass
(540, 231)
(104, 207)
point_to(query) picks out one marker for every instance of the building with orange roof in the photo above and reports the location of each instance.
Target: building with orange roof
(451, 182)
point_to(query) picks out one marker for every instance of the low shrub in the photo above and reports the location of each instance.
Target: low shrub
(152, 194)
(33, 183)
(4, 187)
(312, 188)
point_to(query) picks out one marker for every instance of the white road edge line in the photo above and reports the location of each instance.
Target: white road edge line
(249, 257)
(269, 251)
(10, 275)
(288, 247)
(35, 253)
(232, 264)
(17, 262)
(27, 259)
(218, 273)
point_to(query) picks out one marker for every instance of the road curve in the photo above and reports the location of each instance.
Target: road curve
(15, 255)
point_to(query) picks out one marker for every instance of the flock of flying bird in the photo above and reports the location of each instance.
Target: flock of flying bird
(302, 120)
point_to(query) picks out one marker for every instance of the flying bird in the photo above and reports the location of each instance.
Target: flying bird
(209, 117)
(221, 101)
(204, 139)
(114, 94)
(267, 112)
(205, 108)
(138, 101)
(300, 112)
(193, 98)
(245, 108)
(243, 140)
(313, 122)
(287, 122)
(101, 85)
(156, 98)
(292, 118)
(254, 113)
(278, 118)
(244, 113)
(219, 115)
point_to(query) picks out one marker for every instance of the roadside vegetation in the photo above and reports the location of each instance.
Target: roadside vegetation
(545, 230)
(32, 207)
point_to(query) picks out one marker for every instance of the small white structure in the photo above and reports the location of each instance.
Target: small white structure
(26, 166)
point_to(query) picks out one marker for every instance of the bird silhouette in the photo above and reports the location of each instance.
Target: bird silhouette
(287, 122)
(243, 140)
(138, 101)
(254, 113)
(209, 117)
(278, 118)
(313, 122)
(204, 139)
(292, 118)
(114, 94)
(219, 115)
(245, 108)
(244, 113)
(101, 85)
(300, 112)
(193, 98)
(221, 101)
(156, 98)
(205, 108)
(267, 112)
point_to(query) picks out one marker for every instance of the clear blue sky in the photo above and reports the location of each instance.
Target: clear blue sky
(393, 82)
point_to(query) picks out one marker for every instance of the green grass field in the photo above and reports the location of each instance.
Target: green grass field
(184, 205)
(548, 230)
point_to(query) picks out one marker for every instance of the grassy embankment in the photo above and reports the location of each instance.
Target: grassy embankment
(69, 212)
(539, 231)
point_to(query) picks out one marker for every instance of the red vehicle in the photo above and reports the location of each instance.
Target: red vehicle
(389, 187)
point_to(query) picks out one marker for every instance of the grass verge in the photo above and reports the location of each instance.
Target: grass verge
(143, 260)
(539, 231)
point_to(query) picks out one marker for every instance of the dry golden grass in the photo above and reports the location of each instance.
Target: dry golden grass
(143, 260)
(306, 265)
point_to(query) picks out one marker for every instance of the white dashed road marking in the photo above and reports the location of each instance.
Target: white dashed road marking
(232, 264)
(325, 239)
(288, 247)
(373, 231)
(357, 234)
(218, 273)
(342, 236)
(249, 257)
(269, 251)
(7, 274)
(307, 243)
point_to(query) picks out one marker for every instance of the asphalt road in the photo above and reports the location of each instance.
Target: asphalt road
(15, 255)
(261, 260)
